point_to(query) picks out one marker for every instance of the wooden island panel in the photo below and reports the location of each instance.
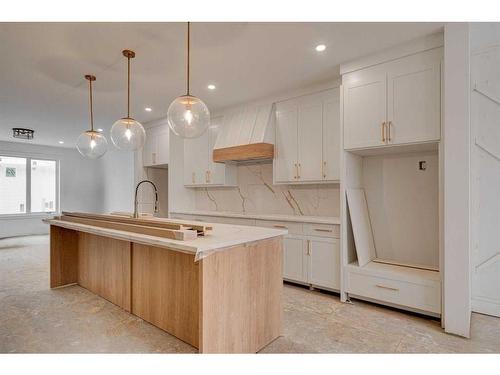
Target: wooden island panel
(241, 293)
(104, 268)
(63, 256)
(228, 302)
(165, 290)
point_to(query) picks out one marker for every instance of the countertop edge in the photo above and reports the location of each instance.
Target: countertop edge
(271, 217)
(181, 246)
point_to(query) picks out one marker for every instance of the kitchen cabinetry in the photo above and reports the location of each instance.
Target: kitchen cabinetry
(155, 151)
(324, 256)
(394, 103)
(311, 252)
(295, 258)
(199, 168)
(308, 139)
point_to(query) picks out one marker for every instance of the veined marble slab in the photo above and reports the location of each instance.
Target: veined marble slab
(223, 236)
(273, 217)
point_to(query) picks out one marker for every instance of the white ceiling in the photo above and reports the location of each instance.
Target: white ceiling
(43, 64)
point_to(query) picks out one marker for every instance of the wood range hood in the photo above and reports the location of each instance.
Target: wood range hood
(246, 135)
(244, 153)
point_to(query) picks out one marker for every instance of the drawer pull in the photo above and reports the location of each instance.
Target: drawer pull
(323, 230)
(387, 287)
(280, 226)
(382, 128)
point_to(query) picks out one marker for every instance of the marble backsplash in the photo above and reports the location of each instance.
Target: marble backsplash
(256, 193)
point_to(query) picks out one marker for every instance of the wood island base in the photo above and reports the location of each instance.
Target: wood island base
(228, 302)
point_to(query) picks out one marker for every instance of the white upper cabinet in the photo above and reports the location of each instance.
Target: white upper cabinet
(331, 137)
(364, 108)
(398, 102)
(156, 148)
(199, 168)
(414, 98)
(285, 151)
(310, 137)
(307, 146)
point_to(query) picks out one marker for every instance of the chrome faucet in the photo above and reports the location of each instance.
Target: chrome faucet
(136, 203)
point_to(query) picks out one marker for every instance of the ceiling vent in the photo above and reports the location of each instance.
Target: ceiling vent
(23, 133)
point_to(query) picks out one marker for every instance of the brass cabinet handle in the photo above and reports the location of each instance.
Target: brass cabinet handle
(298, 171)
(323, 230)
(206, 176)
(280, 226)
(308, 247)
(389, 131)
(323, 168)
(387, 287)
(209, 174)
(382, 129)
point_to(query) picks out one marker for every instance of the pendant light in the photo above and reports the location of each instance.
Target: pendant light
(188, 116)
(91, 144)
(127, 133)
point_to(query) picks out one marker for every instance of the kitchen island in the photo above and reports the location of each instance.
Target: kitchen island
(220, 291)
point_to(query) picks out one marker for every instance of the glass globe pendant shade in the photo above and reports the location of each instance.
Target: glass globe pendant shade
(128, 134)
(188, 116)
(92, 144)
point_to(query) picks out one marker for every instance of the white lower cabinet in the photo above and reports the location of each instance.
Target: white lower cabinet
(324, 262)
(295, 258)
(311, 253)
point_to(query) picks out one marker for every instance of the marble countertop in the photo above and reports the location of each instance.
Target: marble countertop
(222, 236)
(275, 217)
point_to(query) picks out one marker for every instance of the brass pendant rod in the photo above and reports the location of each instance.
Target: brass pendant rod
(128, 87)
(91, 108)
(91, 78)
(129, 55)
(188, 50)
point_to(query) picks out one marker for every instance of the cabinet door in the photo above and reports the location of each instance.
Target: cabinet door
(286, 142)
(364, 108)
(149, 149)
(195, 160)
(324, 262)
(162, 145)
(294, 259)
(331, 136)
(310, 138)
(414, 98)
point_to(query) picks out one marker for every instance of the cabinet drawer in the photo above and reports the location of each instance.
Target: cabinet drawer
(322, 230)
(426, 297)
(293, 228)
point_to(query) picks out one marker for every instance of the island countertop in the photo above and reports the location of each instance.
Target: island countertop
(222, 236)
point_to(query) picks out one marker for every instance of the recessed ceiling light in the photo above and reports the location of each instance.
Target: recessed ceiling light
(211, 87)
(148, 109)
(61, 142)
(99, 130)
(320, 47)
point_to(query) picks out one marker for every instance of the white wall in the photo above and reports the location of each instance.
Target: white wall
(485, 154)
(456, 182)
(101, 185)
(117, 181)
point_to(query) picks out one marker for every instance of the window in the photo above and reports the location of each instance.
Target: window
(27, 185)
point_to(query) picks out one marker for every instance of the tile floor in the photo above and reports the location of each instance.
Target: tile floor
(35, 319)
